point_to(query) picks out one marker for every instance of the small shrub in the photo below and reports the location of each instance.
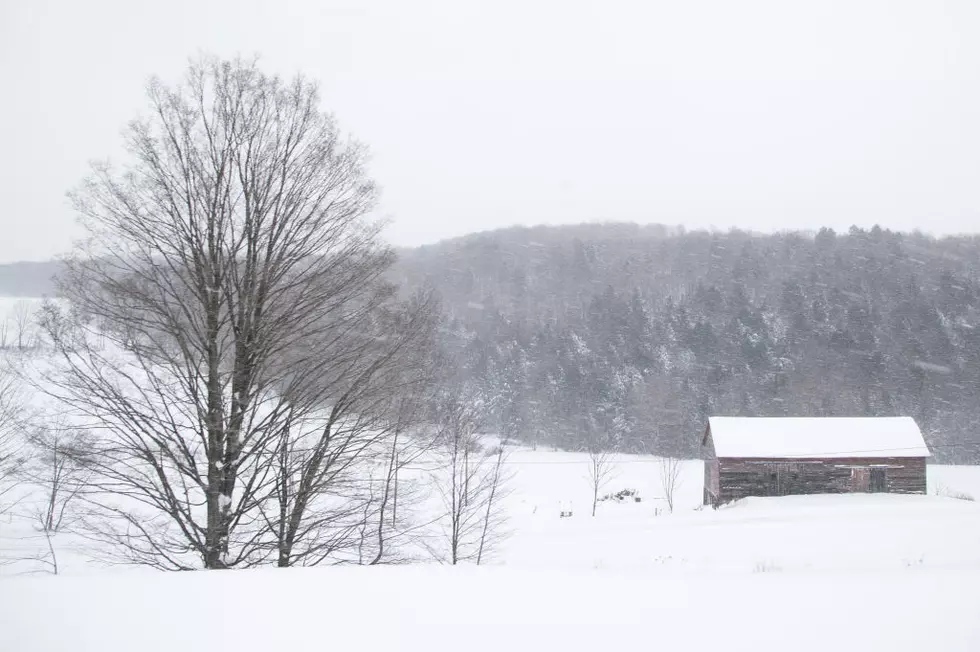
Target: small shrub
(960, 495)
(943, 490)
(621, 495)
(766, 567)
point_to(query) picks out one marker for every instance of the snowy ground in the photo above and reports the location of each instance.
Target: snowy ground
(10, 306)
(851, 532)
(859, 572)
(442, 608)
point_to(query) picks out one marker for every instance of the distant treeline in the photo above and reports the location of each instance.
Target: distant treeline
(631, 336)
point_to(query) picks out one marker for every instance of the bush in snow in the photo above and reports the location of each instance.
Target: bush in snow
(623, 495)
(943, 490)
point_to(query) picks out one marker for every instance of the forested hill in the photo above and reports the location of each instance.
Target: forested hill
(631, 336)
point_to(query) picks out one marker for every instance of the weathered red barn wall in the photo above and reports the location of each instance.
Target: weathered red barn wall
(740, 478)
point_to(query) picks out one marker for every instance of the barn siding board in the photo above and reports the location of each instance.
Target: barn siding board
(740, 478)
(712, 475)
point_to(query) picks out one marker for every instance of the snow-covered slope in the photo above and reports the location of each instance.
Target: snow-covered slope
(858, 572)
(431, 609)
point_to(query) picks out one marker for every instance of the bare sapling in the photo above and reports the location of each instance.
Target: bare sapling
(600, 473)
(13, 453)
(471, 482)
(670, 479)
(58, 468)
(24, 321)
(492, 518)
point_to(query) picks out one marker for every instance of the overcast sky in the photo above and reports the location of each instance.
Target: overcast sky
(763, 115)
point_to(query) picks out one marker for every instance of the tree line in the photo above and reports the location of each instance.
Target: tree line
(630, 336)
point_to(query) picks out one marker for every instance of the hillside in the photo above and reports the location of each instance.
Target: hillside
(630, 336)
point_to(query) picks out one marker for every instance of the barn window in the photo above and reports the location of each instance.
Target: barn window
(877, 483)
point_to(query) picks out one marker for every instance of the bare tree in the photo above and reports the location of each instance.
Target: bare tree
(493, 515)
(670, 478)
(409, 445)
(231, 329)
(333, 469)
(13, 455)
(600, 473)
(471, 483)
(59, 468)
(59, 465)
(24, 318)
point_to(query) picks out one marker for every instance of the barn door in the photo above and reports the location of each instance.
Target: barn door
(877, 481)
(860, 480)
(784, 480)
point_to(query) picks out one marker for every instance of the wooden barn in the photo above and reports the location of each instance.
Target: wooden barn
(786, 456)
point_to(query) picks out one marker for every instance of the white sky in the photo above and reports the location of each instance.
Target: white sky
(762, 115)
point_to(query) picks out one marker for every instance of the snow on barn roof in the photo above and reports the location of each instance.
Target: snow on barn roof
(779, 437)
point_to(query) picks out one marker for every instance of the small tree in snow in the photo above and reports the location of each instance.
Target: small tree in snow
(12, 452)
(670, 479)
(59, 466)
(493, 515)
(472, 483)
(24, 324)
(600, 473)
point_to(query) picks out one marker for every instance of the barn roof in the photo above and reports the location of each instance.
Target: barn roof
(779, 437)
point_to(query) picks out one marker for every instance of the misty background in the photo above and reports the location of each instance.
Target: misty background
(762, 115)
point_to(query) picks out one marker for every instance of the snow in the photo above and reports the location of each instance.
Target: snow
(475, 609)
(779, 437)
(852, 572)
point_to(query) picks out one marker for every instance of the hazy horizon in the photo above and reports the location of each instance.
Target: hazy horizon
(674, 230)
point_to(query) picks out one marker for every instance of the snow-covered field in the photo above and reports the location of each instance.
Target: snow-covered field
(485, 608)
(798, 533)
(10, 306)
(852, 572)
